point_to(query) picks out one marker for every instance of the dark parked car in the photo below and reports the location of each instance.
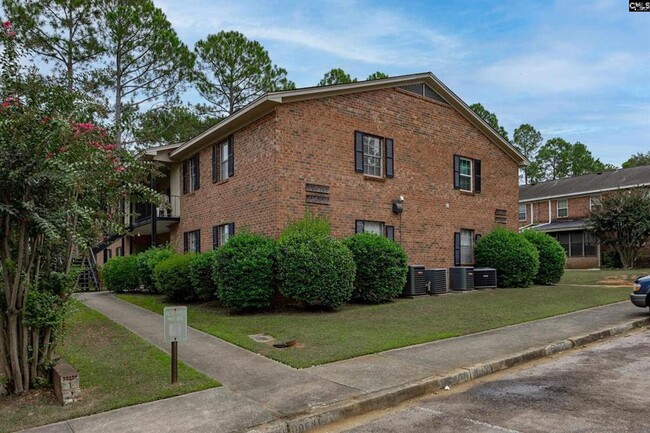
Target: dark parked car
(641, 294)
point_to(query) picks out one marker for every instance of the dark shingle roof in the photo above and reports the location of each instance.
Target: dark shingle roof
(560, 226)
(588, 183)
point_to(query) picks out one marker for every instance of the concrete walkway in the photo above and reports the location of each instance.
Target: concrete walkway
(258, 390)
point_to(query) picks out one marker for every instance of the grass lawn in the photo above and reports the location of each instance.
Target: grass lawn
(608, 277)
(117, 368)
(361, 329)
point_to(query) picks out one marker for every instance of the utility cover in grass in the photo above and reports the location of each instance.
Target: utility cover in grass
(261, 338)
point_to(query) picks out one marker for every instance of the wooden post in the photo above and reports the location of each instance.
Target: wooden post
(174, 361)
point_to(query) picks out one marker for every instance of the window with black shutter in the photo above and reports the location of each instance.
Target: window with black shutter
(376, 227)
(191, 174)
(215, 164)
(390, 232)
(231, 157)
(222, 233)
(192, 241)
(215, 237)
(457, 260)
(467, 174)
(223, 155)
(374, 156)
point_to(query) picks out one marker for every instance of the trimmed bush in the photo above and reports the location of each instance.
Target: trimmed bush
(172, 278)
(201, 274)
(120, 274)
(147, 261)
(515, 259)
(316, 270)
(310, 224)
(552, 257)
(243, 272)
(381, 268)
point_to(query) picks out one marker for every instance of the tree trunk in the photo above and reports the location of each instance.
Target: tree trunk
(35, 350)
(14, 358)
(24, 340)
(4, 365)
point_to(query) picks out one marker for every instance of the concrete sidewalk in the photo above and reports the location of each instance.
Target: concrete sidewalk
(276, 398)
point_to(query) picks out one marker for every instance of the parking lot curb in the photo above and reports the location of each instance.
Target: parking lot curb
(395, 395)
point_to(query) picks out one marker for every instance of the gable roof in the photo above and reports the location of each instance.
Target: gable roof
(267, 102)
(586, 184)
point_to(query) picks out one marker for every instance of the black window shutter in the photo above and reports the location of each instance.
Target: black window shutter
(231, 156)
(457, 249)
(358, 226)
(456, 172)
(358, 152)
(477, 175)
(215, 162)
(231, 229)
(185, 177)
(389, 158)
(197, 172)
(197, 234)
(215, 237)
(185, 242)
(390, 232)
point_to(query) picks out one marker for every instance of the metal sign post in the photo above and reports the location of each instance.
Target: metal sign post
(175, 330)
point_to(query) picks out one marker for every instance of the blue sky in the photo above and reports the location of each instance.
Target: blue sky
(579, 70)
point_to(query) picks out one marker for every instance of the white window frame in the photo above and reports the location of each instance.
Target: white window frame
(368, 155)
(566, 208)
(470, 175)
(380, 225)
(224, 234)
(192, 241)
(468, 234)
(224, 152)
(594, 201)
(524, 206)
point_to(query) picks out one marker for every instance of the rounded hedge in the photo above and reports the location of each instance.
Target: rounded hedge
(243, 272)
(172, 278)
(201, 275)
(381, 268)
(316, 270)
(552, 257)
(147, 261)
(120, 274)
(515, 259)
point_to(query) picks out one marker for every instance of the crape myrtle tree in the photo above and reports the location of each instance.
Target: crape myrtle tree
(61, 177)
(623, 222)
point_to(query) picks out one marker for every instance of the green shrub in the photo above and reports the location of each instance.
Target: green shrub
(310, 224)
(201, 274)
(612, 260)
(317, 270)
(121, 274)
(172, 278)
(243, 272)
(515, 259)
(147, 261)
(381, 268)
(552, 257)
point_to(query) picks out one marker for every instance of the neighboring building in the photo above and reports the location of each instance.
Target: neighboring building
(348, 152)
(561, 207)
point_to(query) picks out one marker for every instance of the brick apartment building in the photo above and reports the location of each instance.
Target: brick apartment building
(356, 153)
(561, 207)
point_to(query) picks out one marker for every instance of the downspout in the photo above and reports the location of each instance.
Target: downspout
(532, 213)
(549, 211)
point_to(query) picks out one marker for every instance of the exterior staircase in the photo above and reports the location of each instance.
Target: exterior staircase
(88, 279)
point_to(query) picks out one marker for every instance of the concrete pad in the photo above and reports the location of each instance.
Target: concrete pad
(59, 427)
(206, 411)
(372, 372)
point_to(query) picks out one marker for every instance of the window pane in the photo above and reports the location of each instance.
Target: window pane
(562, 208)
(576, 244)
(522, 212)
(465, 183)
(373, 227)
(590, 244)
(563, 238)
(225, 234)
(466, 247)
(372, 156)
(465, 167)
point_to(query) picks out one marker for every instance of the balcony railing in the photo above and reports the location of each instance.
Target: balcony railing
(141, 212)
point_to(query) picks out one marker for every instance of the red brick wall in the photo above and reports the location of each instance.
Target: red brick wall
(316, 144)
(578, 209)
(249, 198)
(313, 142)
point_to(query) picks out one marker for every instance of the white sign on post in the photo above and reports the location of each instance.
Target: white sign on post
(175, 323)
